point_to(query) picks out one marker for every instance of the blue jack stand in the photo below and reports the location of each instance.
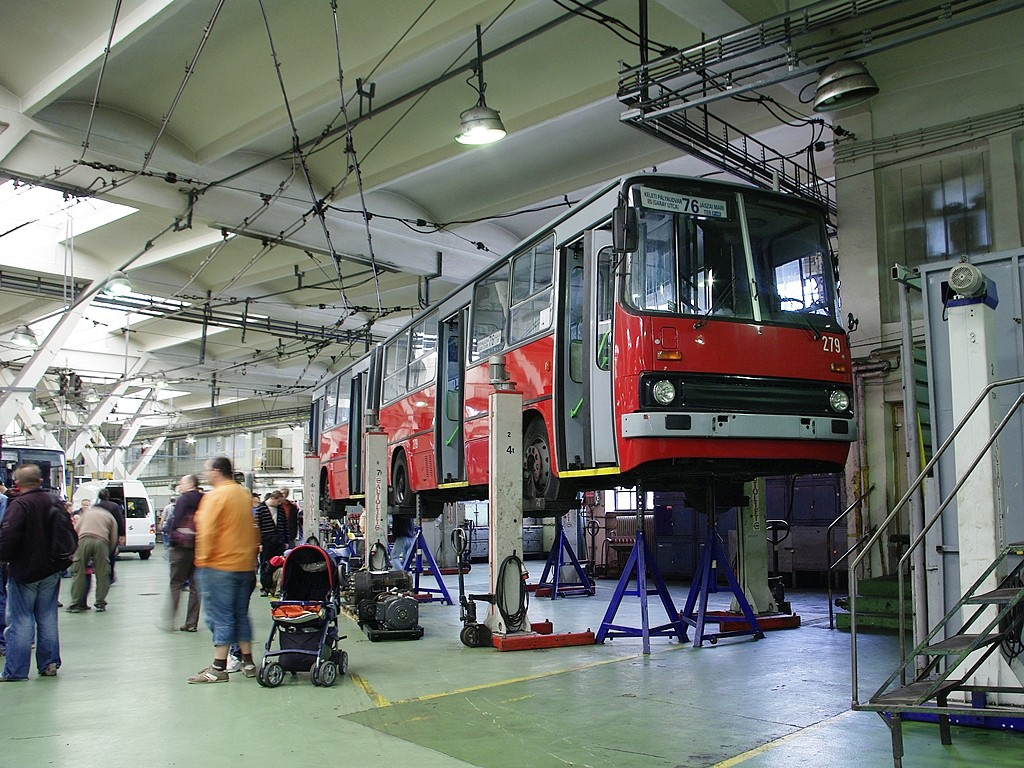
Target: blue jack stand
(640, 561)
(414, 564)
(705, 581)
(560, 550)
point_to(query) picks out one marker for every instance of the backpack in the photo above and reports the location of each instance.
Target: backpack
(63, 538)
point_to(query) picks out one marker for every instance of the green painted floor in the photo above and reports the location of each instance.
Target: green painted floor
(121, 698)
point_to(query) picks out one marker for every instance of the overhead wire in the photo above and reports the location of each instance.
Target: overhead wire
(300, 157)
(350, 150)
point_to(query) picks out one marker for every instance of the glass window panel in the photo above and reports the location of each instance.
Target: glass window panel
(490, 310)
(423, 367)
(396, 365)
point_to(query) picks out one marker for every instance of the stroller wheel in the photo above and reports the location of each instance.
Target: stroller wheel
(340, 658)
(325, 673)
(270, 675)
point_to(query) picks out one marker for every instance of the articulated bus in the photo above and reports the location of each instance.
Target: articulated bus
(665, 329)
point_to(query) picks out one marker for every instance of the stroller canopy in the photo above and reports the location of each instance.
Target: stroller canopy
(308, 574)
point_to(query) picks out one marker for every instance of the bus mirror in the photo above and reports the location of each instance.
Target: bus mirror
(624, 229)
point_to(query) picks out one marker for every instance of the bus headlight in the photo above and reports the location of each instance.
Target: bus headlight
(839, 400)
(663, 392)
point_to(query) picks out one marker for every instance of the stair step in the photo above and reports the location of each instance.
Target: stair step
(868, 621)
(883, 586)
(912, 694)
(957, 644)
(995, 597)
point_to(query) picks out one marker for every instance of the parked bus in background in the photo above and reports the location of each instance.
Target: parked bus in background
(50, 460)
(665, 329)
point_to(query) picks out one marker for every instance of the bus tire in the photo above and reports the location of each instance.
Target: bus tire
(539, 482)
(401, 495)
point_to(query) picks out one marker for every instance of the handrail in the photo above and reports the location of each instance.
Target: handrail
(946, 502)
(828, 551)
(982, 397)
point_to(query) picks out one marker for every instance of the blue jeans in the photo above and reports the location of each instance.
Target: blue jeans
(226, 600)
(400, 550)
(3, 606)
(31, 615)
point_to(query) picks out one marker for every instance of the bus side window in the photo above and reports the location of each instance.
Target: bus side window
(396, 365)
(490, 309)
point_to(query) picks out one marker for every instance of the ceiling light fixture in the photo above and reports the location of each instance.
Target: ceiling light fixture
(480, 123)
(843, 84)
(24, 337)
(117, 284)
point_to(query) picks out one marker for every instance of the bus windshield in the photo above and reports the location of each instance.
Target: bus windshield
(745, 255)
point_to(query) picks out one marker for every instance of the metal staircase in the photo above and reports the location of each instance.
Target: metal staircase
(935, 676)
(936, 669)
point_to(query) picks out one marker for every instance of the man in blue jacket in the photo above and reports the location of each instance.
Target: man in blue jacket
(33, 577)
(3, 578)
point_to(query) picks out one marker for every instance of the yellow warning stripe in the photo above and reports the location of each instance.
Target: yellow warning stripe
(589, 472)
(462, 484)
(778, 742)
(510, 681)
(376, 698)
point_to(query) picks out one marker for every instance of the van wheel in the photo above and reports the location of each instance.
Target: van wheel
(144, 554)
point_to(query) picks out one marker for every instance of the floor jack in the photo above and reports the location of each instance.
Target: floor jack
(473, 635)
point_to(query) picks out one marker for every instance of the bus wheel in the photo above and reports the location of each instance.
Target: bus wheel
(401, 497)
(539, 482)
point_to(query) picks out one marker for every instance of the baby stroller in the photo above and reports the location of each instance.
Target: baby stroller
(305, 621)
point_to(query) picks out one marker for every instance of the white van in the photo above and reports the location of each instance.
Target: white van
(139, 518)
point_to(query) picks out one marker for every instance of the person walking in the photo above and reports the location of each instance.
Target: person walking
(27, 536)
(291, 516)
(273, 534)
(182, 533)
(3, 577)
(227, 541)
(97, 536)
(115, 509)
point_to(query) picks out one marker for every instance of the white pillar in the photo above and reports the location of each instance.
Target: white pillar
(505, 495)
(376, 486)
(978, 503)
(752, 547)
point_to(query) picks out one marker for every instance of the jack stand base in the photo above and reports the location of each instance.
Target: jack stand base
(528, 641)
(734, 622)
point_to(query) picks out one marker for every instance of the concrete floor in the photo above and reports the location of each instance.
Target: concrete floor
(121, 698)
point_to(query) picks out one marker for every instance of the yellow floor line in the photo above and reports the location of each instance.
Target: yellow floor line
(527, 678)
(778, 742)
(376, 698)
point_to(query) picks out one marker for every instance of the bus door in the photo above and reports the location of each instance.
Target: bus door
(450, 437)
(599, 273)
(570, 391)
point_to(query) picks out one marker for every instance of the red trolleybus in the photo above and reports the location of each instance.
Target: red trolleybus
(665, 330)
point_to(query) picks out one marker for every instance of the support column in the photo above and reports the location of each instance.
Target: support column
(752, 570)
(505, 514)
(375, 537)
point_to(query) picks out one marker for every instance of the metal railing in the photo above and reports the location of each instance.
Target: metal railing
(982, 397)
(828, 551)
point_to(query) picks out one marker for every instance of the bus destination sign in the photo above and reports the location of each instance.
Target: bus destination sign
(691, 206)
